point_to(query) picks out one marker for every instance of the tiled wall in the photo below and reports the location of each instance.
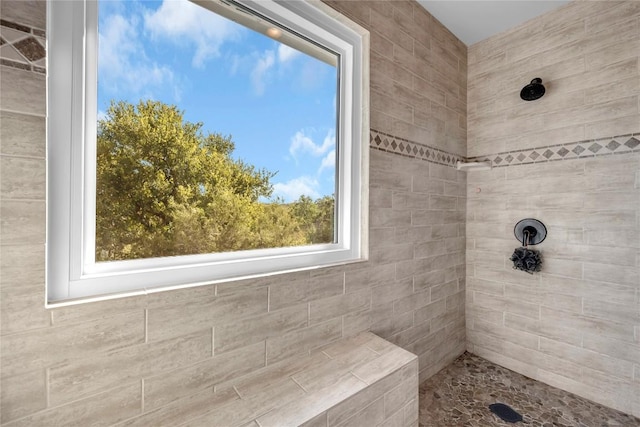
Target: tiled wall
(109, 361)
(571, 160)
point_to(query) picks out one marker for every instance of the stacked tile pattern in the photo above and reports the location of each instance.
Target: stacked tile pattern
(418, 75)
(112, 361)
(576, 324)
(585, 53)
(363, 380)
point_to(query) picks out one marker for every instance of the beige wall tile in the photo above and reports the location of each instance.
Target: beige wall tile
(176, 320)
(584, 357)
(411, 413)
(319, 421)
(22, 309)
(628, 313)
(23, 222)
(390, 218)
(412, 302)
(345, 409)
(68, 381)
(356, 323)
(181, 410)
(22, 92)
(101, 310)
(585, 324)
(328, 308)
(274, 374)
(22, 135)
(229, 336)
(371, 415)
(303, 409)
(428, 342)
(243, 411)
(25, 351)
(22, 266)
(393, 325)
(413, 334)
(300, 342)
(286, 294)
(599, 291)
(392, 291)
(616, 13)
(22, 395)
(32, 13)
(22, 178)
(369, 277)
(617, 126)
(391, 253)
(613, 274)
(612, 347)
(165, 388)
(107, 408)
(385, 364)
(397, 398)
(339, 368)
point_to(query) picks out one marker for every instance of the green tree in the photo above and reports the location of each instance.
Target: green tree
(315, 218)
(164, 188)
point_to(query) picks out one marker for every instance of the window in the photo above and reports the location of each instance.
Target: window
(198, 141)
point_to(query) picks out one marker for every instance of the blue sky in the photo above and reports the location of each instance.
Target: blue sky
(278, 104)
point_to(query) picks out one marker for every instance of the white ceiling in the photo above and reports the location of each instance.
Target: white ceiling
(475, 20)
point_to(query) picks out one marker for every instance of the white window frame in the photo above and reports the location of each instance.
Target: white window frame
(72, 275)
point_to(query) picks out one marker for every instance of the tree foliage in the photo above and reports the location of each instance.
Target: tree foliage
(164, 188)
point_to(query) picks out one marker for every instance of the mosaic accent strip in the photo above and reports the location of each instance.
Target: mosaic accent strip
(575, 150)
(392, 144)
(22, 47)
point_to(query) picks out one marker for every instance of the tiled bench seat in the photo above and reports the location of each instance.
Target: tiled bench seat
(358, 381)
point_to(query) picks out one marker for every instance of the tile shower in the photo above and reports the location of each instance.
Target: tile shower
(438, 280)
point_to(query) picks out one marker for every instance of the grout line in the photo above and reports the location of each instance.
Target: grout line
(146, 325)
(269, 299)
(21, 156)
(24, 113)
(213, 341)
(142, 396)
(47, 392)
(298, 384)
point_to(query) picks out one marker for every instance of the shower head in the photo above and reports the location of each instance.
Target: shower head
(533, 90)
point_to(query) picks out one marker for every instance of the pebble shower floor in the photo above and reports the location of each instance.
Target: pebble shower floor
(460, 395)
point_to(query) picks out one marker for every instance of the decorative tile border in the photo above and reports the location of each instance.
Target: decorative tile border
(574, 150)
(393, 144)
(22, 47)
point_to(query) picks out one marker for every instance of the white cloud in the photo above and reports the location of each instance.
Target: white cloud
(328, 161)
(181, 21)
(286, 53)
(303, 143)
(296, 187)
(260, 73)
(263, 65)
(123, 63)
